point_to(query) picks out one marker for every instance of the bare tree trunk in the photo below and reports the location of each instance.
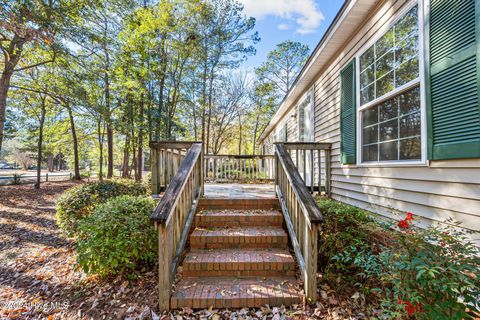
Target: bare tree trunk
(100, 148)
(108, 120)
(50, 163)
(255, 134)
(76, 175)
(108, 117)
(203, 105)
(12, 57)
(210, 101)
(240, 134)
(126, 159)
(139, 171)
(40, 143)
(4, 86)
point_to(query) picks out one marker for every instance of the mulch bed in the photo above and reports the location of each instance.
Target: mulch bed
(38, 278)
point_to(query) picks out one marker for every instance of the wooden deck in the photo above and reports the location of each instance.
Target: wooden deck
(239, 191)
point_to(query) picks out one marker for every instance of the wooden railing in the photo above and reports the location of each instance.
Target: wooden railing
(174, 215)
(166, 157)
(302, 217)
(239, 168)
(312, 160)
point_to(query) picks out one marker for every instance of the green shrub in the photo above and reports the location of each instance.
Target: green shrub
(415, 273)
(347, 233)
(430, 273)
(79, 201)
(117, 236)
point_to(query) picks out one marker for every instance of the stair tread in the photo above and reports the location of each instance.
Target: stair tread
(239, 231)
(239, 213)
(239, 255)
(231, 292)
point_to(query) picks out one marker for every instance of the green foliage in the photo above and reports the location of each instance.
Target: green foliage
(431, 274)
(117, 236)
(79, 201)
(423, 273)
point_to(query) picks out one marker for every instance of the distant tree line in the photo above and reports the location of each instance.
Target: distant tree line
(94, 81)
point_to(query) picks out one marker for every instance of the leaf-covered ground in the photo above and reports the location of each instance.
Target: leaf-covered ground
(38, 279)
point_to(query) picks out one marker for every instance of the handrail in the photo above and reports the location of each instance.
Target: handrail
(170, 198)
(174, 215)
(306, 200)
(166, 157)
(302, 217)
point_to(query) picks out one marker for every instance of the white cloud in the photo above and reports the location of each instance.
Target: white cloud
(283, 26)
(304, 12)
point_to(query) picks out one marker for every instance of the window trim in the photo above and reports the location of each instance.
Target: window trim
(310, 93)
(419, 81)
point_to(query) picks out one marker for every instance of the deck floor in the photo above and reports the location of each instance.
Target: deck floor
(239, 191)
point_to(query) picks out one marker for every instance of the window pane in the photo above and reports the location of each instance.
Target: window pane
(385, 43)
(370, 153)
(392, 61)
(410, 101)
(389, 151)
(367, 77)
(388, 110)
(406, 49)
(406, 72)
(367, 58)
(407, 24)
(410, 125)
(385, 64)
(389, 130)
(367, 94)
(370, 116)
(410, 149)
(385, 85)
(370, 134)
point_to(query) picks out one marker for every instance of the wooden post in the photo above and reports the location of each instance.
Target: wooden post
(202, 173)
(164, 256)
(327, 173)
(154, 169)
(312, 171)
(311, 263)
(319, 155)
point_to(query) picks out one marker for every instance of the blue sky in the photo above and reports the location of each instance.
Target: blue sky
(278, 20)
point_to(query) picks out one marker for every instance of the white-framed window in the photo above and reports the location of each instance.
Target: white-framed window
(282, 133)
(305, 118)
(390, 97)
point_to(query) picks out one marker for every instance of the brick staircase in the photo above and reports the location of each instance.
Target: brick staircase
(238, 257)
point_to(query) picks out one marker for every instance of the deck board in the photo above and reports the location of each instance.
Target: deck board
(239, 191)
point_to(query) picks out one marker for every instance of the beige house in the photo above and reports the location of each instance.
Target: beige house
(393, 85)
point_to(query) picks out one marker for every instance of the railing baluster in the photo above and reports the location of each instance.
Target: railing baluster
(312, 171)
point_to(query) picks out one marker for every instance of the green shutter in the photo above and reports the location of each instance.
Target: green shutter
(453, 78)
(348, 114)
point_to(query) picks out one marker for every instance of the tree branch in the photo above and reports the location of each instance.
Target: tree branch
(36, 64)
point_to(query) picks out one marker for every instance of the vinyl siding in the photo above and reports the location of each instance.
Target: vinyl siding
(435, 192)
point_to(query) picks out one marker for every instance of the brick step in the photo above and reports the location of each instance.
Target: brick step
(201, 293)
(238, 218)
(240, 204)
(239, 263)
(242, 237)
